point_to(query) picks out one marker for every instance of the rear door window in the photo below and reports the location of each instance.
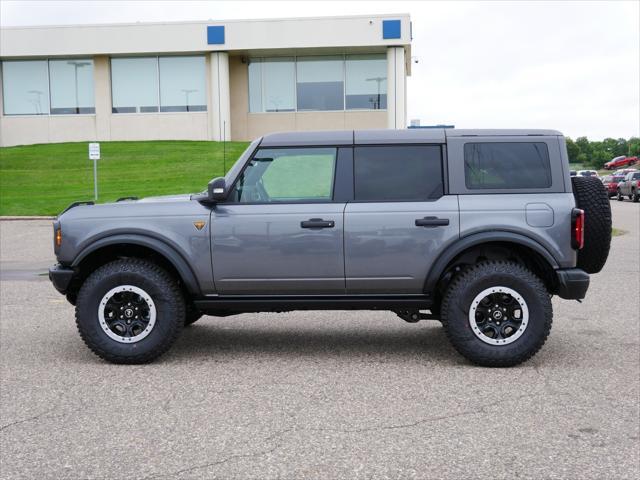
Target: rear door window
(506, 165)
(387, 173)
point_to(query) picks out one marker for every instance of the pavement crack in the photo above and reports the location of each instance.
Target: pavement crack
(480, 409)
(227, 459)
(28, 419)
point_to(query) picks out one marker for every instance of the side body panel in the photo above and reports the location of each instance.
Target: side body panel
(263, 249)
(169, 221)
(545, 218)
(542, 214)
(385, 252)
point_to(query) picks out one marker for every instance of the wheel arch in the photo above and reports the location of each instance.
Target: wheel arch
(110, 248)
(539, 258)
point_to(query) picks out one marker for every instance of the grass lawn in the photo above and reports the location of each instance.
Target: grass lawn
(44, 179)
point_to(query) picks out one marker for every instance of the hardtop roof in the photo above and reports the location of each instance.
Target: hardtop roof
(388, 136)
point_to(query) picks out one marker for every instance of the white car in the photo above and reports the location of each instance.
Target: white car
(587, 173)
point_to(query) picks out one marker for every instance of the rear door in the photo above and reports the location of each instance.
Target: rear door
(281, 230)
(400, 218)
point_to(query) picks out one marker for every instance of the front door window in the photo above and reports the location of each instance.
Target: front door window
(287, 175)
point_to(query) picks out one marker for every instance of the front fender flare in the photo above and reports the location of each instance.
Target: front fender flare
(179, 263)
(438, 267)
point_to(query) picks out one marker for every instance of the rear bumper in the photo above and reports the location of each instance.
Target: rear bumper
(61, 277)
(573, 283)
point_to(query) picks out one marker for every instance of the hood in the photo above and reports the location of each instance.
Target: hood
(165, 198)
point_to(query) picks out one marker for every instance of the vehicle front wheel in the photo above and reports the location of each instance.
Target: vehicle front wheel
(620, 197)
(635, 196)
(192, 315)
(130, 311)
(497, 313)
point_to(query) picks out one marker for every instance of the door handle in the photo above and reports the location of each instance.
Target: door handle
(432, 222)
(317, 223)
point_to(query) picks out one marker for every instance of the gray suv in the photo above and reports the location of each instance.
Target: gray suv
(474, 228)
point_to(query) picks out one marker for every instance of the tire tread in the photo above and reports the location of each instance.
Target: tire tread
(474, 273)
(152, 272)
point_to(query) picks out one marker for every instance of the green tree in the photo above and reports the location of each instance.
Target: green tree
(582, 158)
(584, 145)
(633, 147)
(572, 150)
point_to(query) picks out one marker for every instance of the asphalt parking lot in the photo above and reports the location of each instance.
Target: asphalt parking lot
(319, 394)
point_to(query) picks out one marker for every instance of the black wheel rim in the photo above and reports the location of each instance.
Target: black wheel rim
(498, 315)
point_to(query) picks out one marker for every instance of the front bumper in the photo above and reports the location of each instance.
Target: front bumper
(572, 283)
(61, 277)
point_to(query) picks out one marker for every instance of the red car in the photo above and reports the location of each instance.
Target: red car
(620, 162)
(611, 184)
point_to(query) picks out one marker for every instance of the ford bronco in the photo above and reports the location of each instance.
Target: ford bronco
(474, 228)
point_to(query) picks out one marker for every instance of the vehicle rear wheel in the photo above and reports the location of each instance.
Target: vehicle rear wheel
(497, 314)
(591, 196)
(129, 311)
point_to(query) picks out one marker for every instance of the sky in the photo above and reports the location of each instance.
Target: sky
(573, 66)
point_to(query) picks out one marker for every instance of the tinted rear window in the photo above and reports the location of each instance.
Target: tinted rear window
(507, 165)
(398, 172)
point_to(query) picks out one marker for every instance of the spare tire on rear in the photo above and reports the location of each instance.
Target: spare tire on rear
(591, 196)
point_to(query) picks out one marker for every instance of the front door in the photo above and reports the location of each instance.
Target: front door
(400, 219)
(280, 232)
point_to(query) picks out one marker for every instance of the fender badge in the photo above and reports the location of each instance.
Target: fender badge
(199, 224)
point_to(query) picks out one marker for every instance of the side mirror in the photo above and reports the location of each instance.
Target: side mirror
(217, 190)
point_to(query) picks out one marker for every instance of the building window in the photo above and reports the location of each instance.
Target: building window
(182, 84)
(366, 77)
(153, 84)
(317, 83)
(134, 84)
(320, 83)
(272, 85)
(71, 84)
(506, 165)
(43, 87)
(25, 87)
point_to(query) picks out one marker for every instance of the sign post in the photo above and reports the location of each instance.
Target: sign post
(94, 154)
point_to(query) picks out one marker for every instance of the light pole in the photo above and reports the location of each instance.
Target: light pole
(186, 94)
(378, 81)
(36, 102)
(77, 64)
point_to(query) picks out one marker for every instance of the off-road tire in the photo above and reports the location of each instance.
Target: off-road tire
(192, 315)
(591, 196)
(165, 294)
(473, 280)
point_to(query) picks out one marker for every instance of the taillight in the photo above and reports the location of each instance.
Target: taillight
(577, 228)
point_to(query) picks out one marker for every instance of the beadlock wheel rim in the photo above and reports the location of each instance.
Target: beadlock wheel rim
(127, 314)
(498, 315)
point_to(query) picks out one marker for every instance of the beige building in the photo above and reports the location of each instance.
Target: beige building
(233, 80)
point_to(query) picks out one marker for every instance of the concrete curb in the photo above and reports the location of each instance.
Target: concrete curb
(12, 218)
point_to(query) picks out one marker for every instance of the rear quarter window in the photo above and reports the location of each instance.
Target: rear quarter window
(506, 165)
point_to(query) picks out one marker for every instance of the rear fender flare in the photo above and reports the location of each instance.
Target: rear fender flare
(439, 266)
